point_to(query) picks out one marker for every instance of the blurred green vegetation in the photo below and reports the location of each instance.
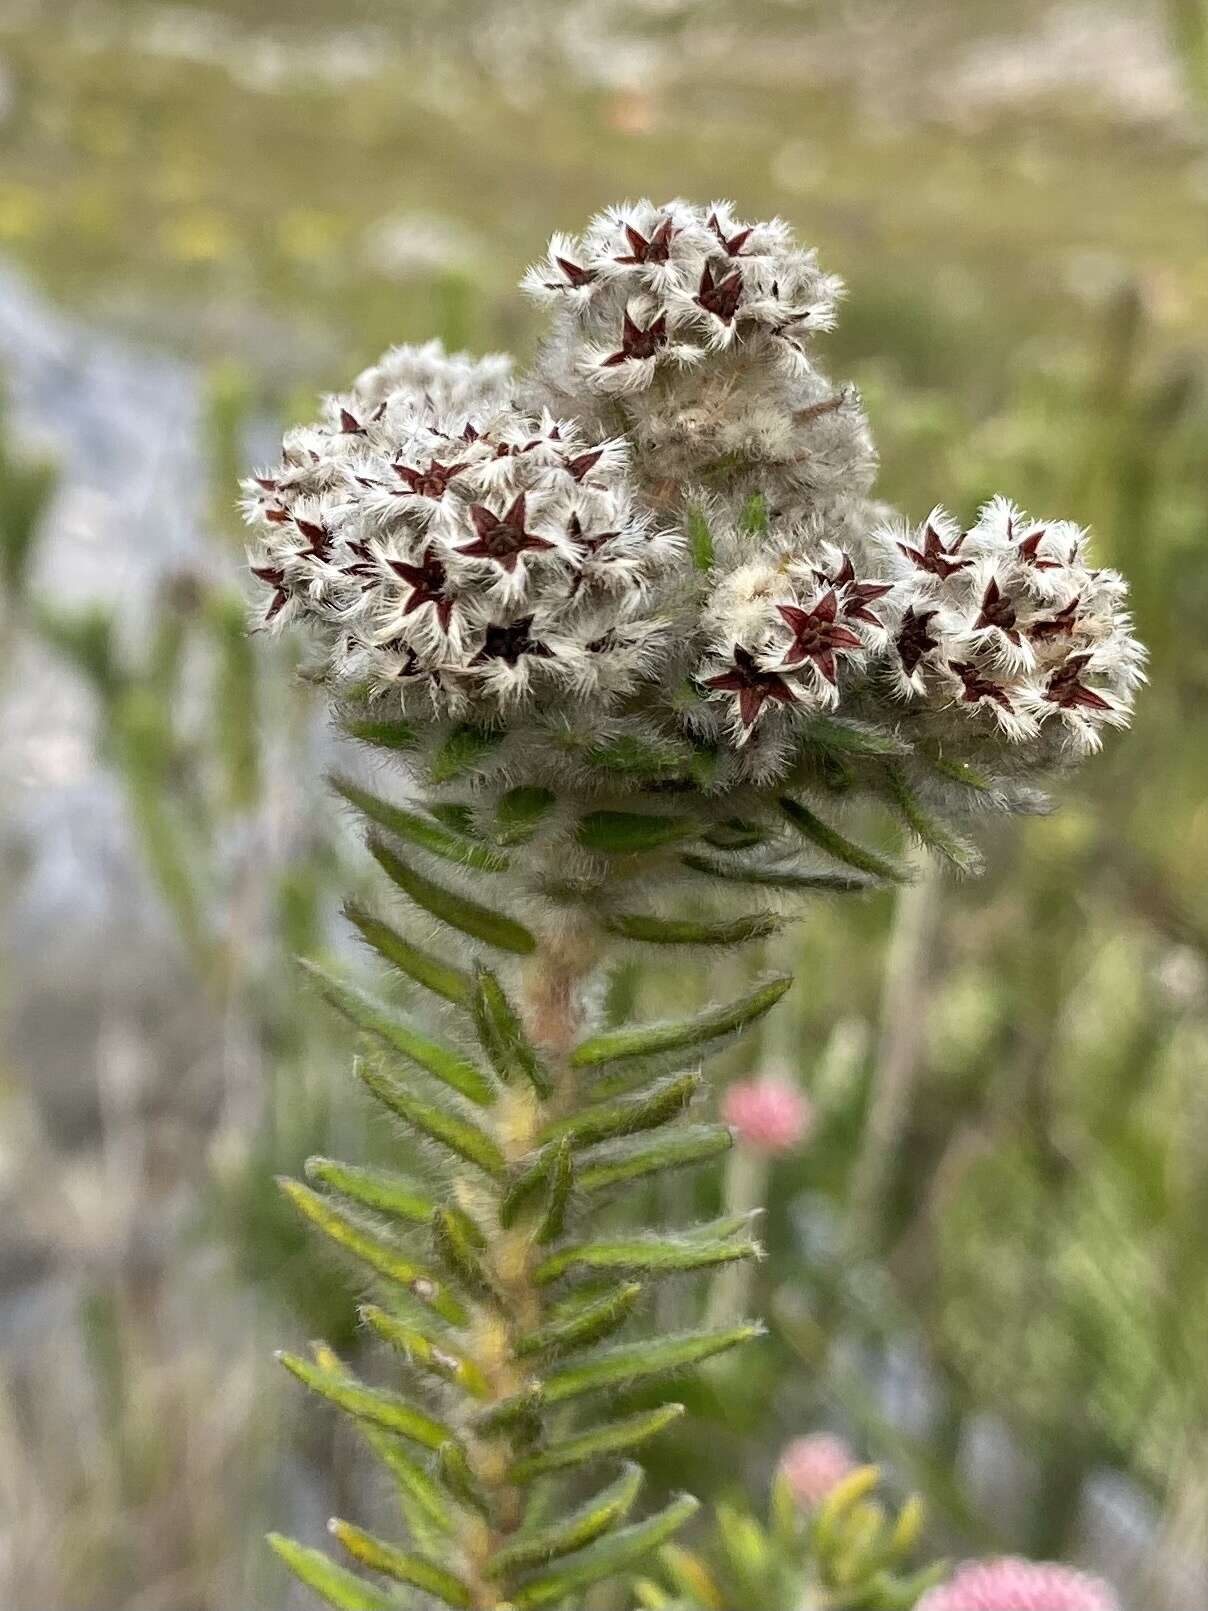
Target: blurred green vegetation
(1005, 1205)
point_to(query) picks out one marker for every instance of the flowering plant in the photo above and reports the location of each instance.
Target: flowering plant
(630, 626)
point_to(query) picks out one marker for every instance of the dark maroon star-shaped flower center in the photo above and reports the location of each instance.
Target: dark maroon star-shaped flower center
(430, 483)
(855, 596)
(914, 640)
(428, 581)
(509, 641)
(732, 244)
(655, 250)
(1056, 626)
(317, 536)
(579, 467)
(502, 537)
(933, 556)
(720, 297)
(589, 544)
(753, 686)
(272, 577)
(350, 425)
(997, 610)
(575, 276)
(817, 635)
(638, 343)
(1066, 689)
(977, 687)
(1029, 551)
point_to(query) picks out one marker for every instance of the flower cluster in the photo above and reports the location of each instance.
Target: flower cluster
(1010, 1584)
(768, 1115)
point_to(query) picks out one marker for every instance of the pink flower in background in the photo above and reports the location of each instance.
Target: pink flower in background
(1010, 1584)
(769, 1114)
(815, 1465)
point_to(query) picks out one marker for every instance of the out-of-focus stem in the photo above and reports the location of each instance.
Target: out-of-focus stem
(745, 1189)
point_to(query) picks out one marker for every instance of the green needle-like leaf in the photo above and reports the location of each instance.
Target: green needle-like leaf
(458, 911)
(379, 1189)
(561, 1181)
(623, 833)
(457, 1253)
(383, 1256)
(700, 539)
(460, 1135)
(848, 738)
(519, 814)
(419, 830)
(407, 1568)
(508, 1047)
(440, 977)
(929, 828)
(687, 931)
(336, 1585)
(637, 1362)
(631, 1158)
(463, 751)
(636, 757)
(698, 1248)
(645, 1110)
(844, 850)
(593, 1321)
(772, 876)
(383, 735)
(609, 1558)
(575, 1531)
(375, 1018)
(612, 1438)
(426, 1353)
(388, 1410)
(647, 1040)
(457, 1477)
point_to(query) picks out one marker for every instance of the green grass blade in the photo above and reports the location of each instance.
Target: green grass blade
(591, 1323)
(637, 1362)
(336, 1585)
(624, 833)
(374, 1018)
(458, 911)
(426, 1353)
(632, 1158)
(440, 977)
(467, 1139)
(687, 931)
(418, 830)
(598, 1515)
(414, 1570)
(385, 1257)
(842, 849)
(511, 1053)
(646, 1040)
(612, 1438)
(610, 1558)
(388, 1410)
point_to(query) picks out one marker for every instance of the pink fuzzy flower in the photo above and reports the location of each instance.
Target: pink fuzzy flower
(1011, 1584)
(815, 1465)
(768, 1115)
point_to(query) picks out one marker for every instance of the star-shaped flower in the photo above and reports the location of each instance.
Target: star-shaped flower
(720, 297)
(977, 687)
(272, 577)
(432, 482)
(638, 343)
(502, 537)
(1056, 626)
(997, 610)
(589, 545)
(655, 250)
(576, 276)
(855, 596)
(732, 245)
(350, 425)
(428, 581)
(914, 640)
(508, 641)
(933, 556)
(817, 635)
(1066, 689)
(753, 686)
(316, 535)
(578, 467)
(1028, 551)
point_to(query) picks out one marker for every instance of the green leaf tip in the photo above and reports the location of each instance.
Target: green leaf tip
(609, 1558)
(648, 1040)
(388, 1410)
(840, 848)
(419, 830)
(442, 978)
(458, 1134)
(332, 1583)
(405, 1567)
(600, 1442)
(458, 911)
(687, 931)
(507, 1046)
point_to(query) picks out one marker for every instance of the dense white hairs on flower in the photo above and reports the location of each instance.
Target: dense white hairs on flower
(664, 534)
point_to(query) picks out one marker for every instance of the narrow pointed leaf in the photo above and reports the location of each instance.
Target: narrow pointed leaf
(646, 1040)
(623, 833)
(457, 1477)
(612, 1438)
(458, 911)
(609, 1558)
(698, 1248)
(700, 539)
(335, 1584)
(511, 1053)
(388, 1410)
(735, 834)
(631, 1158)
(400, 1564)
(929, 828)
(426, 1353)
(385, 1257)
(419, 830)
(842, 849)
(637, 1362)
(379, 1189)
(383, 734)
(440, 977)
(645, 1110)
(519, 814)
(754, 517)
(581, 1527)
(374, 1018)
(460, 1135)
(458, 1255)
(592, 1322)
(561, 1182)
(772, 876)
(849, 738)
(960, 772)
(633, 756)
(463, 751)
(687, 931)
(458, 817)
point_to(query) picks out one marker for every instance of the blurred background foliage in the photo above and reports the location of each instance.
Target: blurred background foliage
(988, 1266)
